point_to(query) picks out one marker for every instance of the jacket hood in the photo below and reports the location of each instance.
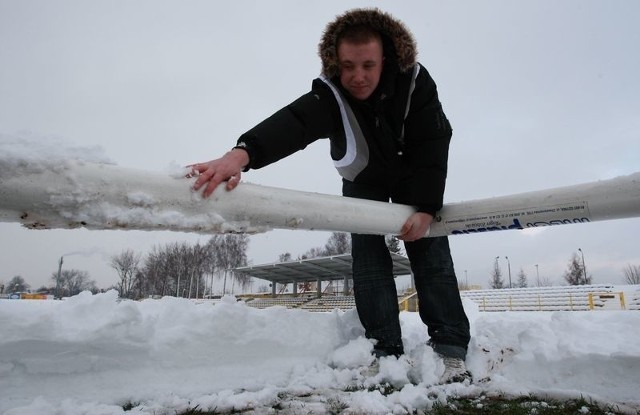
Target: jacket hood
(395, 35)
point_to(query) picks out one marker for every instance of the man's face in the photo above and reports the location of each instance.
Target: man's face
(360, 67)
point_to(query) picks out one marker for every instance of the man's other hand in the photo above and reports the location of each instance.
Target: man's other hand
(416, 227)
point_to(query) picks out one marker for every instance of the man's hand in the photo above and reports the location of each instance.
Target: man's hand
(415, 227)
(212, 173)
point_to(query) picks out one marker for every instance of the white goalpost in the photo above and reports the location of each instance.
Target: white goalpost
(103, 196)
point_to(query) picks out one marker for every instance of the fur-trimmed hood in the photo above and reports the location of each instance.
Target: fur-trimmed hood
(394, 33)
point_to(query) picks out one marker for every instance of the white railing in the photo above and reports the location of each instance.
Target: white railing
(570, 298)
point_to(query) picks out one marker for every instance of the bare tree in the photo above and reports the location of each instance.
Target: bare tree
(199, 260)
(286, 257)
(179, 265)
(17, 284)
(126, 265)
(315, 252)
(157, 281)
(575, 272)
(240, 245)
(179, 269)
(496, 282)
(230, 251)
(141, 288)
(632, 274)
(338, 243)
(164, 269)
(73, 282)
(211, 266)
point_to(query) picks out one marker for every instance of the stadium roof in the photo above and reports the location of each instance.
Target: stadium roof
(310, 270)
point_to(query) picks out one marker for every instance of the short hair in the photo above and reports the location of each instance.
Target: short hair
(359, 34)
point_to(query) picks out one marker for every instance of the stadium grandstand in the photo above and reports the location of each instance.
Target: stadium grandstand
(319, 284)
(324, 284)
(303, 272)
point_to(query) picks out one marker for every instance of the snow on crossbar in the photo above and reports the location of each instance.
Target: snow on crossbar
(102, 196)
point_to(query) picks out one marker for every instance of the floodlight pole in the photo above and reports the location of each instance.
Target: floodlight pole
(509, 266)
(584, 267)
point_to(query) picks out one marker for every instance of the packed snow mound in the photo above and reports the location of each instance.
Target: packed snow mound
(96, 354)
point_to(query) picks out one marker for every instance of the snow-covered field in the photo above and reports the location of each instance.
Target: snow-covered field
(92, 354)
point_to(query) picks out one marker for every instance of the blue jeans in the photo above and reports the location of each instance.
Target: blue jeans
(435, 282)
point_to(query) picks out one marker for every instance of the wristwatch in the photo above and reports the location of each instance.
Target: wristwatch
(244, 146)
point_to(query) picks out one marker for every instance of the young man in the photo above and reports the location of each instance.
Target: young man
(389, 141)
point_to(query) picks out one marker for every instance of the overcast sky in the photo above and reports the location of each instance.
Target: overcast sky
(541, 94)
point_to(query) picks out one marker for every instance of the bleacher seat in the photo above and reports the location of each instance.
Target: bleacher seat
(330, 303)
(560, 298)
(569, 298)
(634, 301)
(289, 302)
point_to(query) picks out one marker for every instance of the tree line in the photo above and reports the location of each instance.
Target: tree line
(576, 274)
(70, 282)
(181, 269)
(176, 269)
(338, 243)
(184, 270)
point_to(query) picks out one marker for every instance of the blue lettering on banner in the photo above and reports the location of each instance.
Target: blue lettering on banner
(557, 222)
(517, 225)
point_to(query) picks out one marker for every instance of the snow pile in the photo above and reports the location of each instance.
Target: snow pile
(95, 354)
(28, 153)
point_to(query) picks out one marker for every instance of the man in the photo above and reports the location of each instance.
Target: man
(389, 141)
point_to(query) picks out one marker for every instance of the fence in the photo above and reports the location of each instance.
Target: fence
(565, 298)
(569, 298)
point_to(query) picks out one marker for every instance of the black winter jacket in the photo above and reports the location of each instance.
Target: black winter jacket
(409, 151)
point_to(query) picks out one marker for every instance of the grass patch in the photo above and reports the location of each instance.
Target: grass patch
(482, 405)
(129, 405)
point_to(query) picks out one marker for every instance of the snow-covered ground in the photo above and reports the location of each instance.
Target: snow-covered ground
(92, 354)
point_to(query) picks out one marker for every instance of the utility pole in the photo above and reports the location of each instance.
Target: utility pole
(537, 276)
(58, 278)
